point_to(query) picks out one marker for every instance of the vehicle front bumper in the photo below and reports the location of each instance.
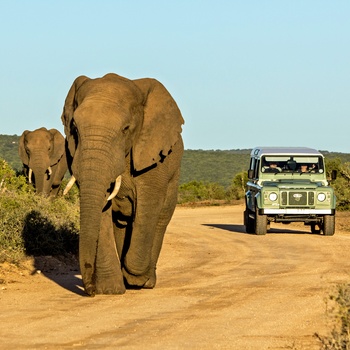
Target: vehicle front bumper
(296, 211)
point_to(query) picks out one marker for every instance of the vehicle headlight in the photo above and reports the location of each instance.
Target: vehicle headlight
(321, 197)
(272, 196)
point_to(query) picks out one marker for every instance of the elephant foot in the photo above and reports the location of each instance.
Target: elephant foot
(151, 282)
(90, 289)
(110, 285)
(141, 281)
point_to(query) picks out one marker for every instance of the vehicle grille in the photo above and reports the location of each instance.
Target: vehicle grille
(297, 198)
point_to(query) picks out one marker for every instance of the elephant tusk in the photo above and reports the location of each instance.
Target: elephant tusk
(30, 174)
(117, 185)
(69, 185)
(49, 170)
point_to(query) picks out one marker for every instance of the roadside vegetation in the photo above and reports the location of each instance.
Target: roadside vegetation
(338, 314)
(31, 224)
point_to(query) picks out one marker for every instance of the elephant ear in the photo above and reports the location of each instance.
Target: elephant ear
(161, 124)
(21, 148)
(58, 146)
(68, 110)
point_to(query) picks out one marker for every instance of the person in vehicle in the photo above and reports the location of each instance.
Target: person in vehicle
(304, 168)
(272, 168)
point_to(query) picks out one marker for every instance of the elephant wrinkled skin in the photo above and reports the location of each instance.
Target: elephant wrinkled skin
(129, 128)
(43, 155)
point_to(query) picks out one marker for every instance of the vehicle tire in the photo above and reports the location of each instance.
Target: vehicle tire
(260, 224)
(328, 225)
(248, 222)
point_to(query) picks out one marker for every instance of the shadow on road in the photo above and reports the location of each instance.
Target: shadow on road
(64, 271)
(241, 229)
(54, 249)
(226, 227)
(69, 281)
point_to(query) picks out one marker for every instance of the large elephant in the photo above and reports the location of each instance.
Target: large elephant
(122, 134)
(44, 159)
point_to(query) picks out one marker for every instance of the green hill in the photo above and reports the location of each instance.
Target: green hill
(219, 166)
(9, 150)
(213, 166)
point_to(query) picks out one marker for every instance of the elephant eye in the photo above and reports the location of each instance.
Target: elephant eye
(74, 130)
(73, 126)
(125, 129)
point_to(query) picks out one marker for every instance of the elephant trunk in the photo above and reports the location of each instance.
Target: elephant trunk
(94, 187)
(42, 175)
(92, 201)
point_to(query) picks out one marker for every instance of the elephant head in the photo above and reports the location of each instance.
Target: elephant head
(118, 131)
(42, 152)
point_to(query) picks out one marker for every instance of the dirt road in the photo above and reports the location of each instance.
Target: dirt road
(218, 288)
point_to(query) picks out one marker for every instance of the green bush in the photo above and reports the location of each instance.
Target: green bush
(73, 195)
(196, 191)
(34, 225)
(31, 224)
(10, 182)
(238, 187)
(342, 184)
(338, 312)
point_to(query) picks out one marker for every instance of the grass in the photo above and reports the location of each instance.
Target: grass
(338, 312)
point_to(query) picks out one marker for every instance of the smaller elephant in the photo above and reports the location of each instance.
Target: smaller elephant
(43, 154)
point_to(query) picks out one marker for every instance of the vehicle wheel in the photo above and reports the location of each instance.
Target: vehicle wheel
(248, 222)
(328, 225)
(260, 224)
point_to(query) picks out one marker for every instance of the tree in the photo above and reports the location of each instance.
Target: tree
(239, 185)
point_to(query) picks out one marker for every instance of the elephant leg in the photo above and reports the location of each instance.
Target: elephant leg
(54, 190)
(163, 221)
(154, 211)
(138, 256)
(59, 172)
(108, 278)
(156, 201)
(119, 236)
(122, 237)
(122, 214)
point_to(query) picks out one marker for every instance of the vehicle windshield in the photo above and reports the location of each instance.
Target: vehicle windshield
(292, 164)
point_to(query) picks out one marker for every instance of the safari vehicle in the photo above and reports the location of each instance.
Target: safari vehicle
(288, 185)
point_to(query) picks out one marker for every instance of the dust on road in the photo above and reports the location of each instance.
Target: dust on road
(218, 288)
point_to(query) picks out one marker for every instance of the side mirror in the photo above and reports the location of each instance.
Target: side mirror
(334, 175)
(250, 174)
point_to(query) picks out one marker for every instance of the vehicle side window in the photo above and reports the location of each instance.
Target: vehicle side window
(256, 169)
(252, 161)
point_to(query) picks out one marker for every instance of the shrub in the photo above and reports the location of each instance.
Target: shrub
(196, 191)
(31, 224)
(73, 195)
(10, 182)
(238, 187)
(342, 187)
(338, 310)
(34, 225)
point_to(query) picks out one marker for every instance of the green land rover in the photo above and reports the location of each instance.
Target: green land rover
(288, 185)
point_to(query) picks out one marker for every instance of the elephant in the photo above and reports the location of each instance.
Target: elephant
(43, 155)
(125, 149)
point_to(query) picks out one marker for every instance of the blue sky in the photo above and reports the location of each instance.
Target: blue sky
(244, 73)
